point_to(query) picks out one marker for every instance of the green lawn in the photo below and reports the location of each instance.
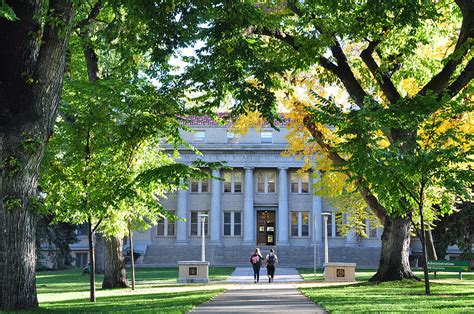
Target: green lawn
(449, 294)
(156, 291)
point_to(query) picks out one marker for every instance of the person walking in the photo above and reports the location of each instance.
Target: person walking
(256, 261)
(271, 260)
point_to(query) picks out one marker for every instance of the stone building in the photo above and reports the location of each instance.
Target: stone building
(262, 202)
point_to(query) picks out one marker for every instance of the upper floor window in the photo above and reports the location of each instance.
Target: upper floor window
(266, 182)
(199, 185)
(199, 136)
(371, 228)
(299, 224)
(266, 137)
(165, 228)
(232, 224)
(196, 223)
(232, 138)
(300, 183)
(232, 182)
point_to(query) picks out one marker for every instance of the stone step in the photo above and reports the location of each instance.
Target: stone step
(296, 256)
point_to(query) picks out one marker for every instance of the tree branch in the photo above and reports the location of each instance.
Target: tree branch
(440, 81)
(91, 17)
(462, 80)
(369, 198)
(345, 74)
(277, 34)
(382, 78)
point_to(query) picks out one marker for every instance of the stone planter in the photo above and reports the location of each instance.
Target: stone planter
(339, 271)
(193, 272)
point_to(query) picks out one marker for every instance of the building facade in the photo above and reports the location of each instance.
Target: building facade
(262, 201)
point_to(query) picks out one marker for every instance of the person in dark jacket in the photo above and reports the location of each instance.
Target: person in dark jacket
(271, 260)
(256, 261)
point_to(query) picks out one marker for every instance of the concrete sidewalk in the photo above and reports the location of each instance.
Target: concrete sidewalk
(249, 297)
(245, 275)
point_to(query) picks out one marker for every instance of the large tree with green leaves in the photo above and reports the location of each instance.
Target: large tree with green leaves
(34, 36)
(371, 50)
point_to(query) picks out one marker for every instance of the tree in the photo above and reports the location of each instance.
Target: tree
(34, 37)
(456, 229)
(58, 236)
(370, 50)
(32, 58)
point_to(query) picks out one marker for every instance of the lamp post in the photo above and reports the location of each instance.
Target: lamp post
(326, 253)
(203, 233)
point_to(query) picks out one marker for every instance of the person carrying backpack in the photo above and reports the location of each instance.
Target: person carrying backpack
(256, 261)
(271, 260)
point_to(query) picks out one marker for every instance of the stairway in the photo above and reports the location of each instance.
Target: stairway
(289, 256)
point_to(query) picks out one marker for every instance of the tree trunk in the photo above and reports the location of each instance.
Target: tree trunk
(394, 264)
(132, 257)
(115, 274)
(91, 261)
(32, 63)
(430, 247)
(99, 253)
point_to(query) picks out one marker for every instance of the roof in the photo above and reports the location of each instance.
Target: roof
(209, 121)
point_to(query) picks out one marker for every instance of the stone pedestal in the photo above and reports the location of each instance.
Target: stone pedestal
(339, 271)
(193, 272)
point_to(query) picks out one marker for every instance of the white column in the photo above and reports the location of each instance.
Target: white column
(317, 210)
(182, 210)
(215, 217)
(249, 221)
(283, 206)
(326, 244)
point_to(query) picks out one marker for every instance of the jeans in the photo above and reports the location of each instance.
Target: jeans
(271, 270)
(256, 272)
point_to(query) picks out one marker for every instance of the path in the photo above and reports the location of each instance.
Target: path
(249, 297)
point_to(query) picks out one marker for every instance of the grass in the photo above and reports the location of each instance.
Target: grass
(448, 294)
(156, 291)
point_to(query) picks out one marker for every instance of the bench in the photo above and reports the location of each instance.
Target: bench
(449, 266)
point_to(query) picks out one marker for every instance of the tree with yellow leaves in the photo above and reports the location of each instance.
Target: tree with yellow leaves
(405, 67)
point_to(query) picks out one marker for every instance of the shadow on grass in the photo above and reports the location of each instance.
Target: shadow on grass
(71, 280)
(396, 296)
(154, 302)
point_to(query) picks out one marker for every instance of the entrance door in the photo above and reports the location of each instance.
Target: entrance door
(266, 227)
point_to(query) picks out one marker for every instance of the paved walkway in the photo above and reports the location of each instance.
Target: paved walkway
(249, 297)
(245, 275)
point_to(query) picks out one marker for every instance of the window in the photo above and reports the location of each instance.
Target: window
(232, 224)
(232, 138)
(294, 224)
(300, 183)
(199, 185)
(199, 136)
(300, 224)
(371, 228)
(266, 137)
(232, 182)
(266, 182)
(330, 220)
(165, 228)
(81, 259)
(337, 223)
(196, 223)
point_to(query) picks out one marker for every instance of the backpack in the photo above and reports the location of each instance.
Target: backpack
(271, 259)
(255, 259)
